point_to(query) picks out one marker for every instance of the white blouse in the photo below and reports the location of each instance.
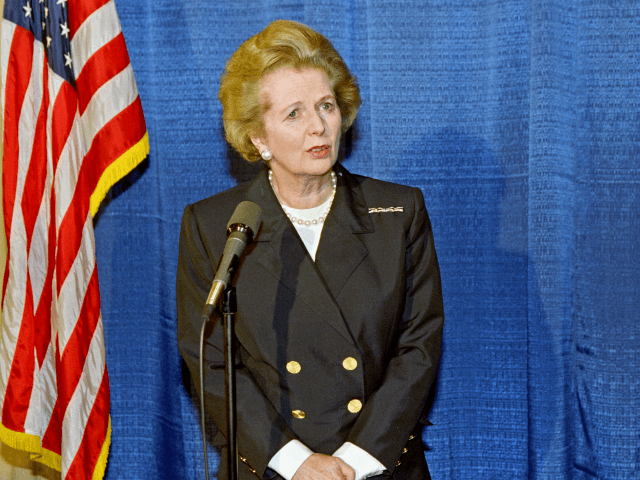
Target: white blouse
(310, 234)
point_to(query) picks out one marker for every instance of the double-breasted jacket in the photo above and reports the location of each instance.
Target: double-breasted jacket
(345, 348)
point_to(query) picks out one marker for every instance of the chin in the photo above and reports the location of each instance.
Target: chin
(321, 169)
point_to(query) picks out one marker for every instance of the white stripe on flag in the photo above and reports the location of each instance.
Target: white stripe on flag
(46, 379)
(109, 100)
(75, 285)
(13, 301)
(7, 36)
(39, 253)
(98, 29)
(32, 423)
(67, 170)
(28, 118)
(39, 248)
(84, 396)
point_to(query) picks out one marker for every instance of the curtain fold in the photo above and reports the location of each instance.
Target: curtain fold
(554, 87)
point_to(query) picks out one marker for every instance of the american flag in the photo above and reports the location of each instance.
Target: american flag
(73, 126)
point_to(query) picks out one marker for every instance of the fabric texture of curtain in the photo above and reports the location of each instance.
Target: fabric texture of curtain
(518, 120)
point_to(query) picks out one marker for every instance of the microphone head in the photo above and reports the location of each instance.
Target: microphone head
(247, 214)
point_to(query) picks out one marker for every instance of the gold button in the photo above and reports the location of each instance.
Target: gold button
(399, 463)
(298, 414)
(355, 405)
(293, 367)
(411, 437)
(350, 363)
(404, 450)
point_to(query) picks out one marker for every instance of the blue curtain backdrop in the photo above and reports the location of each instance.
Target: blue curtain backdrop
(520, 122)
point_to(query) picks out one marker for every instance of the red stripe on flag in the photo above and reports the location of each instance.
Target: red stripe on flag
(20, 381)
(103, 65)
(87, 457)
(16, 84)
(52, 438)
(81, 11)
(75, 351)
(43, 312)
(37, 171)
(63, 114)
(71, 230)
(117, 136)
(69, 367)
(5, 282)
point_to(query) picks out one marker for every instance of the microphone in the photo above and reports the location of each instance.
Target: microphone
(242, 226)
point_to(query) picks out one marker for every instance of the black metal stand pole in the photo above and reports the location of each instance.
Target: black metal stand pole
(229, 308)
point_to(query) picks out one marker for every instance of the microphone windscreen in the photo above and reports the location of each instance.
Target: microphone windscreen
(249, 214)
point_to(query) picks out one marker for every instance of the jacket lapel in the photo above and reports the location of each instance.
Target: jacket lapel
(284, 255)
(341, 250)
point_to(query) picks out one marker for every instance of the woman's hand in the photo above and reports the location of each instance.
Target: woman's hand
(324, 467)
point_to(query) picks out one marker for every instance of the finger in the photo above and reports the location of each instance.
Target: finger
(348, 473)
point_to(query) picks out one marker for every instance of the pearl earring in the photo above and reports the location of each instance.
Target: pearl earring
(266, 155)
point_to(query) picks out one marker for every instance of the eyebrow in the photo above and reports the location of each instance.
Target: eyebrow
(326, 97)
(297, 104)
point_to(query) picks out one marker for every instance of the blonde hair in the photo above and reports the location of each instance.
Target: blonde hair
(282, 43)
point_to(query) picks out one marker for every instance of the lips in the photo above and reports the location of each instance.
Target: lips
(319, 151)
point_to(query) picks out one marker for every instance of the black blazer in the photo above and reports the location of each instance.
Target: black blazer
(345, 348)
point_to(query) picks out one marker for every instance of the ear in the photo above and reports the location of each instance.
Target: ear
(258, 142)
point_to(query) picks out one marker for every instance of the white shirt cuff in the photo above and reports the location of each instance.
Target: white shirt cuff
(289, 458)
(365, 464)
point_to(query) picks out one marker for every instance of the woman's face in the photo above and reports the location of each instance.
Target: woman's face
(302, 123)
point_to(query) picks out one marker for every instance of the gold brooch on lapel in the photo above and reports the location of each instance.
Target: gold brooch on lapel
(385, 210)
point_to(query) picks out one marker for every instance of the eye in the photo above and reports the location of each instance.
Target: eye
(326, 106)
(293, 114)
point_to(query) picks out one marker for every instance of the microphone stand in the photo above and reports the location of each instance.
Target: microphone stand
(229, 307)
(245, 220)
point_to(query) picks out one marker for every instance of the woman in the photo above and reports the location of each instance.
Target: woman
(340, 312)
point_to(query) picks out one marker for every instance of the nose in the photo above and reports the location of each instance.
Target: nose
(316, 124)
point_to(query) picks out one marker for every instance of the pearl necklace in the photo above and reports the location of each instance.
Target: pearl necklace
(315, 221)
